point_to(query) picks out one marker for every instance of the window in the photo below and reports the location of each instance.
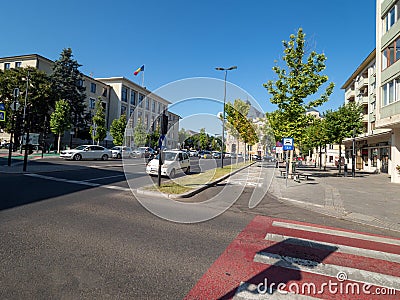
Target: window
(391, 92)
(17, 64)
(124, 94)
(133, 97)
(146, 121)
(93, 87)
(104, 94)
(391, 53)
(92, 103)
(390, 18)
(140, 116)
(159, 107)
(153, 106)
(7, 66)
(141, 97)
(131, 112)
(147, 103)
(123, 110)
(384, 95)
(80, 82)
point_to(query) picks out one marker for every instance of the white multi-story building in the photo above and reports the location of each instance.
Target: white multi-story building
(372, 147)
(119, 96)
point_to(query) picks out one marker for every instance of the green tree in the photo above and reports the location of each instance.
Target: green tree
(152, 138)
(139, 134)
(60, 120)
(300, 79)
(342, 123)
(234, 114)
(99, 123)
(203, 139)
(39, 99)
(117, 130)
(67, 83)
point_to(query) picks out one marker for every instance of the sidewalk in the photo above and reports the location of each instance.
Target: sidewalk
(367, 198)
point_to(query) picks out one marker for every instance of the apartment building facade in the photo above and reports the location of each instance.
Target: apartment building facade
(119, 96)
(372, 147)
(388, 78)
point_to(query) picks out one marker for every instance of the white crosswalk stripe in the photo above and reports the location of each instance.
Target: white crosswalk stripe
(333, 254)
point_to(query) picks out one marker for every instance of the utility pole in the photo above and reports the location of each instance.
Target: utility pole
(27, 123)
(353, 160)
(14, 107)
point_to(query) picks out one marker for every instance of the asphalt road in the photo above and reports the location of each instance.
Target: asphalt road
(66, 239)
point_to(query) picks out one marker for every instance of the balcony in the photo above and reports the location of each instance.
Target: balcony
(372, 116)
(350, 95)
(363, 100)
(362, 82)
(372, 79)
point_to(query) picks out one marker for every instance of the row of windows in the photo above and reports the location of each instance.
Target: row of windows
(155, 106)
(17, 64)
(391, 54)
(92, 104)
(391, 92)
(391, 17)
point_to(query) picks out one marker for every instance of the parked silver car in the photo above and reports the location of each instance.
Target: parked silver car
(87, 152)
(122, 152)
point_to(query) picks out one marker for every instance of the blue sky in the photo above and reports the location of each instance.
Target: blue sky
(180, 39)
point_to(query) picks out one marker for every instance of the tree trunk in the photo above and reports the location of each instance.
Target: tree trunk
(340, 158)
(245, 148)
(59, 143)
(320, 157)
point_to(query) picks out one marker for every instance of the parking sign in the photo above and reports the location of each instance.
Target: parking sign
(288, 143)
(2, 115)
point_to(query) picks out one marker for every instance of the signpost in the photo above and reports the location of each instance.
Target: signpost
(288, 145)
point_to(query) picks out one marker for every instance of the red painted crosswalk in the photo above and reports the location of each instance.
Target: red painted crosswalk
(275, 259)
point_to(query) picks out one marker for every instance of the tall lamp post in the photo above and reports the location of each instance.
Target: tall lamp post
(223, 117)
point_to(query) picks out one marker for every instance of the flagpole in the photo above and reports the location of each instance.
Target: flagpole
(143, 78)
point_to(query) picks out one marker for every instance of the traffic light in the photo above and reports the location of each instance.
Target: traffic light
(164, 124)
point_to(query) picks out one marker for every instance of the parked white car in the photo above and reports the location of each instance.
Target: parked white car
(173, 162)
(87, 152)
(122, 152)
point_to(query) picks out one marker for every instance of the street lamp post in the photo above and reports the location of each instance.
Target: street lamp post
(223, 116)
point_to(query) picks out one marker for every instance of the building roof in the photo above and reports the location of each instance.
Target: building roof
(360, 68)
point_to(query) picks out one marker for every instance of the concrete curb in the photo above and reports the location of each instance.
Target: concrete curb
(190, 193)
(348, 216)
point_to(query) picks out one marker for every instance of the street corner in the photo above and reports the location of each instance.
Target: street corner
(272, 258)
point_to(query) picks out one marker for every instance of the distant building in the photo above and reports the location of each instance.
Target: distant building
(119, 96)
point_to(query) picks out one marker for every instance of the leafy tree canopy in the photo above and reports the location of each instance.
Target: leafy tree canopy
(296, 82)
(117, 130)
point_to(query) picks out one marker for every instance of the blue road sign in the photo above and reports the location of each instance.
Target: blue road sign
(2, 107)
(160, 141)
(288, 143)
(2, 115)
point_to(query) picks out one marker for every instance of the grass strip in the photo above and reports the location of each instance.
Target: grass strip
(186, 183)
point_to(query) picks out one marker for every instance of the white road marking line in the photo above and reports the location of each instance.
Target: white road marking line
(106, 177)
(337, 233)
(310, 266)
(62, 180)
(326, 246)
(111, 187)
(248, 291)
